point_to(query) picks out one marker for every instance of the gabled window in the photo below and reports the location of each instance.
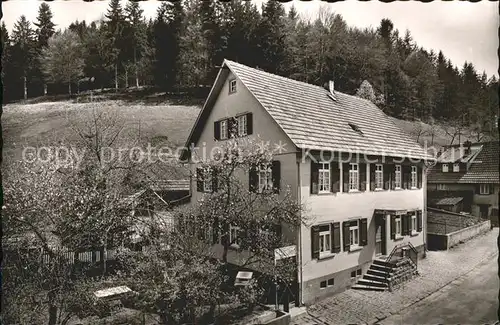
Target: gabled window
(456, 168)
(484, 189)
(242, 125)
(232, 86)
(265, 177)
(397, 178)
(379, 177)
(445, 168)
(414, 177)
(353, 177)
(324, 177)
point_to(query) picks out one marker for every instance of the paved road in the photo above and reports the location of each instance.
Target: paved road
(470, 299)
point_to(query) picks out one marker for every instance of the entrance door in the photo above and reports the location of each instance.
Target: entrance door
(483, 210)
(380, 236)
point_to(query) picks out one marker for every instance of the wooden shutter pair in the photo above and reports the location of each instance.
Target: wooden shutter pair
(362, 233)
(334, 237)
(275, 176)
(232, 126)
(217, 130)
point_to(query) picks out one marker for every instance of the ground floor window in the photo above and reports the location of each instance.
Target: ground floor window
(324, 240)
(414, 226)
(354, 233)
(398, 226)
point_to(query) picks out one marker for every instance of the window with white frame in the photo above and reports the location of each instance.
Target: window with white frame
(325, 240)
(353, 177)
(242, 125)
(442, 187)
(324, 177)
(484, 189)
(414, 223)
(223, 130)
(354, 233)
(233, 235)
(232, 86)
(456, 168)
(445, 168)
(265, 176)
(397, 177)
(379, 176)
(397, 222)
(414, 177)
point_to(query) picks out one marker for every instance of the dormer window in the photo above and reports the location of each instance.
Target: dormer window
(355, 128)
(456, 168)
(232, 86)
(445, 168)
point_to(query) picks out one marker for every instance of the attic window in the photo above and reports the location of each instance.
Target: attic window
(232, 86)
(355, 128)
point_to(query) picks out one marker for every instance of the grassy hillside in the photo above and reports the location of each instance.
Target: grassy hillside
(50, 123)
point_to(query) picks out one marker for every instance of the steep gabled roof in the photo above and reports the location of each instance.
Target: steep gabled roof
(484, 166)
(313, 120)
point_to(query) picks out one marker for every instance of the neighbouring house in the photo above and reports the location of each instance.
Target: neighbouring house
(360, 178)
(469, 171)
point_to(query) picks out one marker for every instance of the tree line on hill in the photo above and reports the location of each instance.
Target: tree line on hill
(183, 45)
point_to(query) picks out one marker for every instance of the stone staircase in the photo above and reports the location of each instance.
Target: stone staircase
(383, 275)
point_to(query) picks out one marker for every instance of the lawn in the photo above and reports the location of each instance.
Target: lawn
(51, 123)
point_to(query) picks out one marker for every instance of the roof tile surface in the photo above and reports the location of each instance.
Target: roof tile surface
(312, 120)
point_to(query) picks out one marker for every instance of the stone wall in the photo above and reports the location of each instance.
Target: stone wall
(445, 241)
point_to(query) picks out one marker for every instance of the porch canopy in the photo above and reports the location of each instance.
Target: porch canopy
(394, 212)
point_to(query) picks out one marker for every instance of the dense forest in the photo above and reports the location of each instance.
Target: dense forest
(183, 45)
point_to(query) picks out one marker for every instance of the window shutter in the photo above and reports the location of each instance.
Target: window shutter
(314, 178)
(347, 235)
(232, 125)
(419, 176)
(249, 123)
(199, 179)
(372, 176)
(478, 189)
(490, 189)
(388, 170)
(393, 178)
(406, 176)
(217, 130)
(335, 177)
(404, 224)
(253, 179)
(276, 175)
(419, 220)
(393, 227)
(362, 177)
(314, 242)
(335, 228)
(345, 176)
(363, 231)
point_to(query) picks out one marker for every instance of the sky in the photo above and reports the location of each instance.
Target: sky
(463, 30)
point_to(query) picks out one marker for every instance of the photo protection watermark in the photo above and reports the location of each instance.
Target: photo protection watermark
(62, 156)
